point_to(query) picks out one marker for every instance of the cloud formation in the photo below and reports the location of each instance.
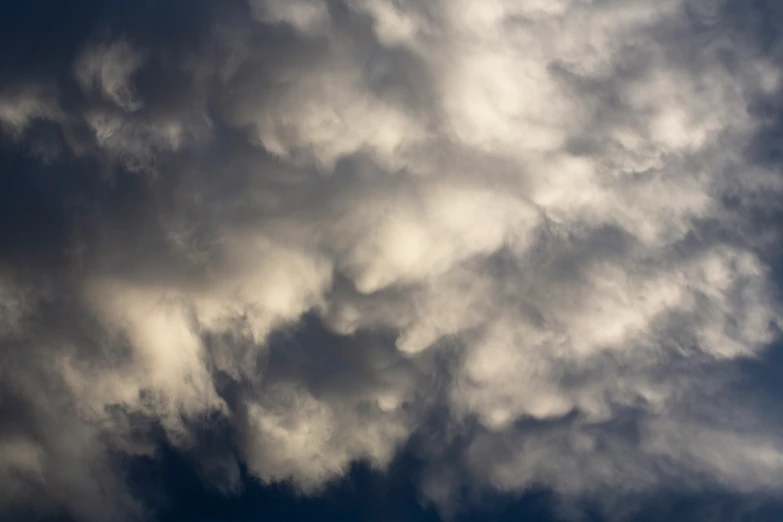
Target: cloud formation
(322, 224)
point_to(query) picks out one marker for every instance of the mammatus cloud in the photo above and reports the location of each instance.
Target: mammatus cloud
(326, 223)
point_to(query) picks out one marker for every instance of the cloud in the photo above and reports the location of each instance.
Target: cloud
(18, 109)
(110, 69)
(320, 225)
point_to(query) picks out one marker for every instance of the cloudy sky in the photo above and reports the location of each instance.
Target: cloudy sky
(391, 260)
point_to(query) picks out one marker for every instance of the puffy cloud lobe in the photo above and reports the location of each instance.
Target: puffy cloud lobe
(334, 220)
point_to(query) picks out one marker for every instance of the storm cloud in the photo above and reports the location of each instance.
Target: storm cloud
(535, 241)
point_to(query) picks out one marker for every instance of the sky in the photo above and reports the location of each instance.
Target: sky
(391, 260)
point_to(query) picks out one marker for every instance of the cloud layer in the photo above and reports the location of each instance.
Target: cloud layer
(321, 225)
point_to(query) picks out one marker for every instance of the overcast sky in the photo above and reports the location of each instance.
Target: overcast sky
(391, 260)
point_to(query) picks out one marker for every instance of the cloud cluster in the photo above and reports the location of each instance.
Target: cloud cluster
(324, 223)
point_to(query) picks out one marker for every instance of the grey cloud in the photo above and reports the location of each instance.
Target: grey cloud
(110, 69)
(323, 225)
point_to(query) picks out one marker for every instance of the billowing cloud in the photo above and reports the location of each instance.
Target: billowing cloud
(322, 224)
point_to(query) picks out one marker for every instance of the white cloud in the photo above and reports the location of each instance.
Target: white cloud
(534, 192)
(307, 16)
(293, 435)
